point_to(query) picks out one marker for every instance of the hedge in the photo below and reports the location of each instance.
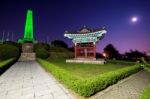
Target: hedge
(88, 87)
(145, 64)
(4, 65)
(9, 51)
(146, 93)
(42, 53)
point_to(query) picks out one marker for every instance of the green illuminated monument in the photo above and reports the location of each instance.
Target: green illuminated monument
(28, 40)
(28, 33)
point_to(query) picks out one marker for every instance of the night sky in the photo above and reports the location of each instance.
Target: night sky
(53, 17)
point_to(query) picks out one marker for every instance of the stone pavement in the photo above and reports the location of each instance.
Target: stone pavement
(129, 88)
(27, 80)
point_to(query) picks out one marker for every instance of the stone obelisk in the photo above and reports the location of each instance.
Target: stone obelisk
(28, 40)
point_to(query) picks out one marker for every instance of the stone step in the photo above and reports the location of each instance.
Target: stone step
(27, 57)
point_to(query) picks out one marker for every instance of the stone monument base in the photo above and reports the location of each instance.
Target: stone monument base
(27, 57)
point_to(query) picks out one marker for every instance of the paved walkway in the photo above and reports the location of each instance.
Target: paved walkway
(129, 88)
(27, 80)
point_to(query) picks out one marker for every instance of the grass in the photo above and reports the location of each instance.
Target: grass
(3, 63)
(89, 70)
(146, 93)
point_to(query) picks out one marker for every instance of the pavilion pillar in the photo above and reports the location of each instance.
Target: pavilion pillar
(75, 50)
(85, 52)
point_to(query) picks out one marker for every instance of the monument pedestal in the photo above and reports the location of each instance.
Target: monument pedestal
(27, 52)
(27, 57)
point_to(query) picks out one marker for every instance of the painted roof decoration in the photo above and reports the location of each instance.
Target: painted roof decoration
(85, 35)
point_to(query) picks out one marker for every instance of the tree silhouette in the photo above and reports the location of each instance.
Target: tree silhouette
(41, 45)
(59, 43)
(111, 52)
(134, 55)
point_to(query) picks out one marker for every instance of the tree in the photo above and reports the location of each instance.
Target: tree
(111, 52)
(59, 43)
(71, 49)
(134, 55)
(41, 45)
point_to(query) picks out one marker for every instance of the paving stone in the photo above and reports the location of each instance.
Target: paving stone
(41, 92)
(26, 91)
(27, 96)
(28, 80)
(62, 97)
(48, 96)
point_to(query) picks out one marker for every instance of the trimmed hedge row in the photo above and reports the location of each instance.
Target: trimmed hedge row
(4, 65)
(87, 87)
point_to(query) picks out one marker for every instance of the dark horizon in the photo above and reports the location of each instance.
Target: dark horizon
(52, 18)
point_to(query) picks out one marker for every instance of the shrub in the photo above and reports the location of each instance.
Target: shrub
(102, 81)
(8, 51)
(60, 52)
(42, 53)
(145, 64)
(87, 87)
(12, 43)
(41, 50)
(61, 55)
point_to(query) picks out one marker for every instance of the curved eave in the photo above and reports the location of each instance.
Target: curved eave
(97, 34)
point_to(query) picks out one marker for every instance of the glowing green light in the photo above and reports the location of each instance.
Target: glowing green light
(28, 32)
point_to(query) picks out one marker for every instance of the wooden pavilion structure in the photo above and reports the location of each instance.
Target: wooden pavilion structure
(85, 41)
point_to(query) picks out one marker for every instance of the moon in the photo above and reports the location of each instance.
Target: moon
(134, 19)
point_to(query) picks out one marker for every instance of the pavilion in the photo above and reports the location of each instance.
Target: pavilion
(85, 42)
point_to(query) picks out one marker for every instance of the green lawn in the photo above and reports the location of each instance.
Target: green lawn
(89, 70)
(3, 63)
